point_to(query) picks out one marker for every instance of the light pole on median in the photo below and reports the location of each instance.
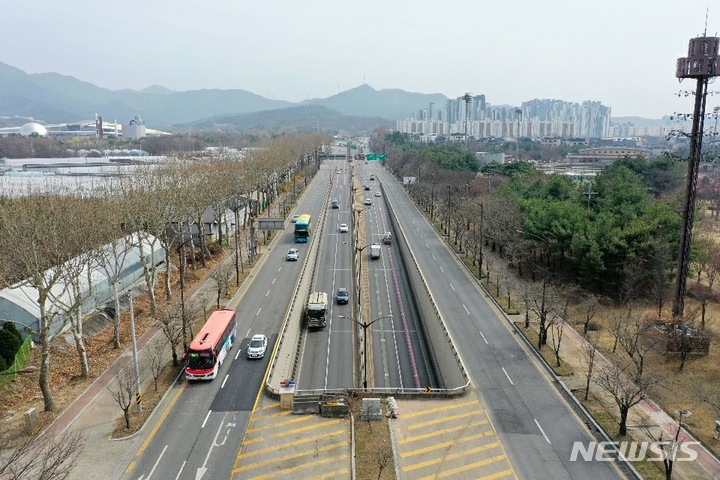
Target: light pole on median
(365, 327)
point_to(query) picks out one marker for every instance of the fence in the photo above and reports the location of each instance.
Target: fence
(21, 358)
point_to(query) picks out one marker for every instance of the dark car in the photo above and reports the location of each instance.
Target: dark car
(335, 204)
(343, 296)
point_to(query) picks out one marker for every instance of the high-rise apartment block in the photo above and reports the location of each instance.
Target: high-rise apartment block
(533, 119)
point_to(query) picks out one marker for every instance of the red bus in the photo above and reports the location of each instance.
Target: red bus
(211, 345)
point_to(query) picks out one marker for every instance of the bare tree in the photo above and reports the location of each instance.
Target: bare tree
(155, 355)
(43, 458)
(124, 391)
(627, 386)
(170, 318)
(39, 267)
(557, 329)
(221, 276)
(589, 351)
(383, 458)
(590, 307)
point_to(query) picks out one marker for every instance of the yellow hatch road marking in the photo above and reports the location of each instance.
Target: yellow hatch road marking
(308, 466)
(439, 446)
(441, 432)
(275, 425)
(279, 460)
(440, 409)
(441, 420)
(495, 476)
(452, 456)
(283, 445)
(464, 468)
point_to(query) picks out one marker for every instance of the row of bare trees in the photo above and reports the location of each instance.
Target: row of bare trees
(54, 237)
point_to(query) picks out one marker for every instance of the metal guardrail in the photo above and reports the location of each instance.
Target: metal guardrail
(284, 358)
(452, 378)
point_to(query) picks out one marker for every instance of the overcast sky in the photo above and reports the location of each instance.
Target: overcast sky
(619, 52)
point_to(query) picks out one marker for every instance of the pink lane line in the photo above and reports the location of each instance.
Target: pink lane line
(406, 330)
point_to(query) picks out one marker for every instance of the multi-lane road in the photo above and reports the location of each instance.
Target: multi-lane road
(199, 434)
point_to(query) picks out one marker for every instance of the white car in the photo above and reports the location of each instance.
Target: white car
(293, 255)
(378, 194)
(368, 201)
(257, 346)
(343, 228)
(295, 218)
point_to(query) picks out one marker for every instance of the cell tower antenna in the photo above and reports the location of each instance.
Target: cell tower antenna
(707, 13)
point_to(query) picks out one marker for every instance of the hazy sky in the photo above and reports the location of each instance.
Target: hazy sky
(620, 52)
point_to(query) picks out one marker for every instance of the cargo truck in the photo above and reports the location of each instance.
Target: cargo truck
(316, 311)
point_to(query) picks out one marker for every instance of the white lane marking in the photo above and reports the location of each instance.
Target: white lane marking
(182, 467)
(210, 411)
(225, 380)
(441, 269)
(481, 334)
(238, 353)
(247, 333)
(273, 282)
(508, 376)
(451, 286)
(156, 462)
(258, 312)
(267, 294)
(543, 432)
(466, 310)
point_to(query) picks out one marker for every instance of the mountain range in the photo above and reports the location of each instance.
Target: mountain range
(55, 98)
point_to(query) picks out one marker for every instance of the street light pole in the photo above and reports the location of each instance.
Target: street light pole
(365, 327)
(135, 354)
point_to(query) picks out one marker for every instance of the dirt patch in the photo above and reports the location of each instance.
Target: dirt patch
(373, 446)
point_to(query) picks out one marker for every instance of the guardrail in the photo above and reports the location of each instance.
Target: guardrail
(284, 358)
(449, 372)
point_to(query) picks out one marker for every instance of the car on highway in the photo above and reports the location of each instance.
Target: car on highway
(293, 255)
(367, 187)
(378, 194)
(343, 228)
(257, 346)
(335, 204)
(295, 218)
(368, 201)
(343, 296)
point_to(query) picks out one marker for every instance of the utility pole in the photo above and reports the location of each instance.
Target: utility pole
(702, 65)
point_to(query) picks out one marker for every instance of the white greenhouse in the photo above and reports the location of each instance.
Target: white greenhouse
(19, 302)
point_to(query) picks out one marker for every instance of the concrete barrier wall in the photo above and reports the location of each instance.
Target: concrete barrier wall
(284, 358)
(451, 377)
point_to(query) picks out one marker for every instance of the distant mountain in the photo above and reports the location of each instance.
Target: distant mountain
(394, 104)
(55, 98)
(640, 121)
(301, 119)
